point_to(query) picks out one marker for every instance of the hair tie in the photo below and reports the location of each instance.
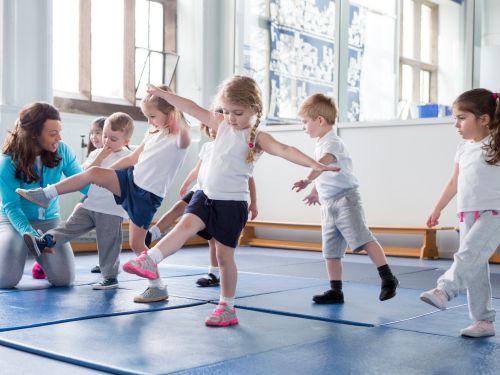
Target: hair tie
(494, 95)
(251, 145)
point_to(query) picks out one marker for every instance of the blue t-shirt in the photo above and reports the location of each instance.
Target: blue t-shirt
(19, 210)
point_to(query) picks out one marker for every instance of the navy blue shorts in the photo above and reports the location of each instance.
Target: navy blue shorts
(202, 233)
(187, 198)
(224, 220)
(140, 204)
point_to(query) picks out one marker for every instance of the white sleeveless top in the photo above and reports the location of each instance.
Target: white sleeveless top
(227, 172)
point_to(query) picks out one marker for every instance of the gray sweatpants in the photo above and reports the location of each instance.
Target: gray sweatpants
(479, 239)
(59, 267)
(108, 235)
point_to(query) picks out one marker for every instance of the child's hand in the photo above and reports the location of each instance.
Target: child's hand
(253, 211)
(433, 219)
(105, 152)
(183, 190)
(312, 198)
(301, 184)
(48, 250)
(152, 89)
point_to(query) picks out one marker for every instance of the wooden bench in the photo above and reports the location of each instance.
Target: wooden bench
(428, 250)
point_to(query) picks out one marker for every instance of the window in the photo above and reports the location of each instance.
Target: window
(105, 52)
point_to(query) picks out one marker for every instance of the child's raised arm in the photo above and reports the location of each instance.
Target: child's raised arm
(183, 138)
(129, 160)
(252, 208)
(450, 190)
(268, 144)
(188, 106)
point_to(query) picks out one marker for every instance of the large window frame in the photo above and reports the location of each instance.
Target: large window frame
(83, 101)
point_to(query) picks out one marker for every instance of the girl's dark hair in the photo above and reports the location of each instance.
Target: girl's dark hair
(100, 123)
(19, 142)
(484, 102)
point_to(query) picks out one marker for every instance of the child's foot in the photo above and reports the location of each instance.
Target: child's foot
(222, 316)
(388, 288)
(95, 269)
(36, 244)
(110, 283)
(36, 196)
(37, 272)
(436, 298)
(210, 280)
(480, 328)
(142, 266)
(329, 297)
(152, 294)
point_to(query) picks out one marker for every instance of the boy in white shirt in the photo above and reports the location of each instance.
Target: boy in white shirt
(99, 210)
(342, 216)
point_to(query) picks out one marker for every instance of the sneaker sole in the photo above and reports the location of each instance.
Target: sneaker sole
(477, 335)
(148, 300)
(29, 198)
(206, 285)
(431, 302)
(102, 287)
(329, 302)
(32, 246)
(231, 322)
(139, 272)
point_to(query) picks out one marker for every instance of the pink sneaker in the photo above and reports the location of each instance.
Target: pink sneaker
(222, 316)
(481, 328)
(37, 272)
(142, 266)
(435, 297)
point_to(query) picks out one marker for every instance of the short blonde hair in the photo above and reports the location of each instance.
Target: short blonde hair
(120, 121)
(319, 105)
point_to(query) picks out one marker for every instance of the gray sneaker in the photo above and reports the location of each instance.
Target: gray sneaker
(152, 294)
(36, 196)
(110, 283)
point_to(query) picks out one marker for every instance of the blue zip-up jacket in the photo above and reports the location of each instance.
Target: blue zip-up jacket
(19, 210)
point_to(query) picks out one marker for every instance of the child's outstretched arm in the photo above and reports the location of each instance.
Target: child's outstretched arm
(268, 144)
(103, 154)
(450, 190)
(129, 160)
(302, 184)
(188, 106)
(252, 208)
(192, 175)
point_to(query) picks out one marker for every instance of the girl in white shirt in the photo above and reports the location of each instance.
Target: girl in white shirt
(224, 193)
(476, 182)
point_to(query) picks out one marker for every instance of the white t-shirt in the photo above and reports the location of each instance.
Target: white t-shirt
(227, 173)
(332, 184)
(100, 199)
(158, 163)
(478, 182)
(204, 155)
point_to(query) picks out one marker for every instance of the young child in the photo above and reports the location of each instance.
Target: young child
(224, 192)
(342, 216)
(168, 219)
(139, 180)
(99, 210)
(476, 182)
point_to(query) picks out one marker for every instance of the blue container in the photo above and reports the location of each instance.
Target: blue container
(428, 110)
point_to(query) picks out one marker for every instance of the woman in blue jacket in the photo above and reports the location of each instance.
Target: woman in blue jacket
(33, 156)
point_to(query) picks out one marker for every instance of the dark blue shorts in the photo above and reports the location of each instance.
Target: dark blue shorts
(140, 204)
(224, 220)
(202, 233)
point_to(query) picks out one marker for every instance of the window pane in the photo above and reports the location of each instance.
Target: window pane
(141, 71)
(425, 34)
(156, 30)
(141, 23)
(156, 72)
(407, 84)
(107, 48)
(408, 33)
(65, 52)
(425, 86)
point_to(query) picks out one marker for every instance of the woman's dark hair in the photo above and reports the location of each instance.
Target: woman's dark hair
(19, 142)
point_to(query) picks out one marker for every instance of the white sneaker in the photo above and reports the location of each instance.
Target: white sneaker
(480, 328)
(436, 298)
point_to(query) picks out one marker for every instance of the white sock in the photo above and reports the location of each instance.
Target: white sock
(214, 271)
(155, 233)
(228, 300)
(50, 192)
(156, 255)
(156, 283)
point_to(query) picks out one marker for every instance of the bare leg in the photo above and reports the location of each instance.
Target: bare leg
(334, 268)
(104, 177)
(228, 270)
(213, 253)
(136, 240)
(376, 253)
(187, 227)
(168, 219)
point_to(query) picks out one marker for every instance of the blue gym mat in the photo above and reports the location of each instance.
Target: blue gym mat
(19, 362)
(361, 306)
(48, 306)
(368, 351)
(249, 284)
(167, 341)
(447, 323)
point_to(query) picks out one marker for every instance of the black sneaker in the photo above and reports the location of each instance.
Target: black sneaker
(211, 280)
(329, 297)
(388, 288)
(36, 244)
(110, 283)
(95, 269)
(148, 238)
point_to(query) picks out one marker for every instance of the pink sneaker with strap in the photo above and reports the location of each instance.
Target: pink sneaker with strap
(37, 272)
(222, 316)
(142, 266)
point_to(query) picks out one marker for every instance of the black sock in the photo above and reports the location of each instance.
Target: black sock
(336, 285)
(385, 272)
